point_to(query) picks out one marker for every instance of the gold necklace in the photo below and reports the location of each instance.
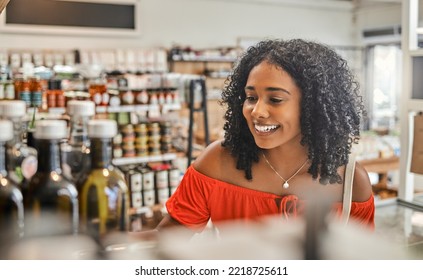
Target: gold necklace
(286, 184)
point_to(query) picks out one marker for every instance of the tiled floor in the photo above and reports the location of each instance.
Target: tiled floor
(402, 225)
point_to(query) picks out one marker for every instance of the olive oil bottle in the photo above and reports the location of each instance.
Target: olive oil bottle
(51, 204)
(104, 195)
(11, 200)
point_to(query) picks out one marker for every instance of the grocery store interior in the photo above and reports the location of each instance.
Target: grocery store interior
(157, 69)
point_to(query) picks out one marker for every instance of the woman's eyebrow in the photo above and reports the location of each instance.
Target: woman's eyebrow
(272, 89)
(277, 89)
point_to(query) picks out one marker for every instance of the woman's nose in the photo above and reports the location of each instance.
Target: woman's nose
(260, 110)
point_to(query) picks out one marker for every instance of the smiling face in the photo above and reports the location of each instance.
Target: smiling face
(272, 106)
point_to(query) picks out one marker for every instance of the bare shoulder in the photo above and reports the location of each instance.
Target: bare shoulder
(362, 188)
(214, 160)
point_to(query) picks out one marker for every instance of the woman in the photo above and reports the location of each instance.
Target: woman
(293, 114)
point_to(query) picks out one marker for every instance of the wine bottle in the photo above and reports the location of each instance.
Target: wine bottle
(75, 152)
(104, 195)
(51, 197)
(11, 199)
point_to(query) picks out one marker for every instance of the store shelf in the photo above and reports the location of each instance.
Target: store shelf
(137, 108)
(137, 160)
(204, 59)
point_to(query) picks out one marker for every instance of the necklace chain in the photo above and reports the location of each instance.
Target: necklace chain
(286, 184)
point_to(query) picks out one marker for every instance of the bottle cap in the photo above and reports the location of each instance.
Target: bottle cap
(50, 129)
(6, 128)
(80, 108)
(102, 128)
(12, 108)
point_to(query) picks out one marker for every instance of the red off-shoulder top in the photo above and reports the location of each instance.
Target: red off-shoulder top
(199, 198)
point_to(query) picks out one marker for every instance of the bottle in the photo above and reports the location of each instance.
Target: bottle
(11, 199)
(97, 87)
(104, 195)
(75, 152)
(52, 199)
(22, 159)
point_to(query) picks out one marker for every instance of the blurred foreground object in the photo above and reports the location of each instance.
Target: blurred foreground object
(3, 4)
(266, 239)
(274, 238)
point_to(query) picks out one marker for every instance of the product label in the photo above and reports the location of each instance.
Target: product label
(105, 97)
(148, 181)
(136, 199)
(162, 195)
(9, 91)
(161, 179)
(142, 97)
(29, 167)
(2, 86)
(149, 198)
(135, 182)
(128, 97)
(174, 175)
(97, 98)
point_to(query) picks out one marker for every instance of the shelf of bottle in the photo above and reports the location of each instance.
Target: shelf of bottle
(145, 159)
(118, 109)
(137, 108)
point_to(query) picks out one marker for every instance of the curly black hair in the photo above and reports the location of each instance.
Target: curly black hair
(331, 107)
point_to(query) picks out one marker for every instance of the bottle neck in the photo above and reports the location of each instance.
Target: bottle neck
(18, 131)
(3, 170)
(101, 152)
(79, 131)
(48, 155)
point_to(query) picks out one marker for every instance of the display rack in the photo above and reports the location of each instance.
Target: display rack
(409, 104)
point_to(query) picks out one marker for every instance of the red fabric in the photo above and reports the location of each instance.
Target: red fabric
(200, 198)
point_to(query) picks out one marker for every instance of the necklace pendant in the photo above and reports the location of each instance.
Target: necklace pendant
(285, 185)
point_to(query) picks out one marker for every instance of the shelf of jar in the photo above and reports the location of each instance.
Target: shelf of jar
(115, 109)
(137, 160)
(138, 108)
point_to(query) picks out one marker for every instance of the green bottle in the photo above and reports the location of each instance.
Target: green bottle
(51, 204)
(103, 196)
(11, 200)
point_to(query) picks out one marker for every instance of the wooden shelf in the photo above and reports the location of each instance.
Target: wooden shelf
(380, 165)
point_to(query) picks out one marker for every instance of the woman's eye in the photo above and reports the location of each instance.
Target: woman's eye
(276, 100)
(250, 98)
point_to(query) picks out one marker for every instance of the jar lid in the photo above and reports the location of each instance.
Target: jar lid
(50, 129)
(102, 128)
(6, 128)
(12, 108)
(80, 108)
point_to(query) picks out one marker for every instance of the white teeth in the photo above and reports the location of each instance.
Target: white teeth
(265, 128)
